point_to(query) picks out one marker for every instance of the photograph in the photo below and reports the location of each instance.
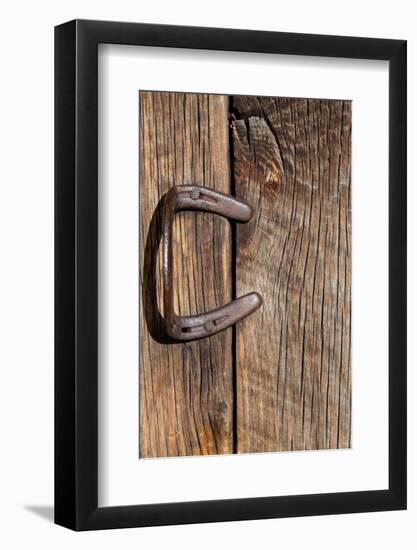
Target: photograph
(278, 379)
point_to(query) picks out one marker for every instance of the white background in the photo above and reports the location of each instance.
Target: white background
(123, 479)
(26, 301)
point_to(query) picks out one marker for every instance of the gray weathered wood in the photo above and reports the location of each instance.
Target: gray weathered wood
(292, 162)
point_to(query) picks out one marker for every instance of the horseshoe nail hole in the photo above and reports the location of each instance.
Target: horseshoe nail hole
(220, 319)
(207, 198)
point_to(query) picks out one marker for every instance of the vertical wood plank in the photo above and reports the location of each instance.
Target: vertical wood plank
(186, 390)
(292, 162)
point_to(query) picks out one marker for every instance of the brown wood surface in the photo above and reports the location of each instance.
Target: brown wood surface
(281, 379)
(292, 163)
(186, 390)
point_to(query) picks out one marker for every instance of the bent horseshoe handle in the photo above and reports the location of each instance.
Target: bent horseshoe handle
(186, 328)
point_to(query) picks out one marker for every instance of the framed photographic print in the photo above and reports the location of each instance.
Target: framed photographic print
(230, 275)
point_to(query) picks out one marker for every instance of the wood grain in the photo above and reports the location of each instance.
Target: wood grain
(186, 390)
(291, 161)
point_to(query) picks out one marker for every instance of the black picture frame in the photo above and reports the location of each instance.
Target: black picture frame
(76, 270)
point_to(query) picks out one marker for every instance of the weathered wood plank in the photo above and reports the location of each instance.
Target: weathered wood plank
(186, 390)
(292, 162)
